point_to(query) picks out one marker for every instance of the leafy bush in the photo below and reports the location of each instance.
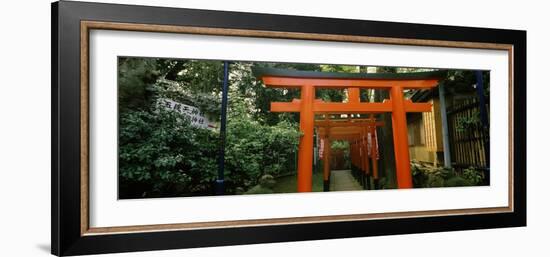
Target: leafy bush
(253, 150)
(429, 176)
(265, 186)
(469, 122)
(161, 154)
(457, 181)
(473, 175)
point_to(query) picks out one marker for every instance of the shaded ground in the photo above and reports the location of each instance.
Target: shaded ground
(288, 184)
(342, 180)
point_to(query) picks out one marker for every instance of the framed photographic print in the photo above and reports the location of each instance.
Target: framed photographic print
(177, 128)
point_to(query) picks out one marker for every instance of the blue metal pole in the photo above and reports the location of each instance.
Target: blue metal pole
(220, 187)
(484, 118)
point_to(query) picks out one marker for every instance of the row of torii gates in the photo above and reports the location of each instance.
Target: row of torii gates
(363, 140)
(357, 131)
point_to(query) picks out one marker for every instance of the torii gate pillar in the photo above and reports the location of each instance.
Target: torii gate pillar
(400, 140)
(305, 148)
(327, 151)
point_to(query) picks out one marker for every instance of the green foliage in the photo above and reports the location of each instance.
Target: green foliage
(253, 150)
(330, 95)
(135, 75)
(424, 176)
(463, 81)
(343, 146)
(161, 154)
(265, 186)
(471, 121)
(428, 176)
(474, 175)
(339, 145)
(197, 76)
(288, 184)
(339, 68)
(244, 86)
(457, 181)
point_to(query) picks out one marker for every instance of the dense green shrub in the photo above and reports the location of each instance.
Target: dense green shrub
(474, 175)
(457, 181)
(429, 176)
(161, 154)
(253, 150)
(266, 184)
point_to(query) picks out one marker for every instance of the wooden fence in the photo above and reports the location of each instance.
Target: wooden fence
(467, 136)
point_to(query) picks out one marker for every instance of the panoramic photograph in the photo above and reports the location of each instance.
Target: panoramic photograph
(189, 127)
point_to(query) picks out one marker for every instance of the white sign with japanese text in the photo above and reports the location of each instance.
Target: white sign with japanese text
(192, 113)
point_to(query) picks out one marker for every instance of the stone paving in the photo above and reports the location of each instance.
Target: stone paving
(342, 180)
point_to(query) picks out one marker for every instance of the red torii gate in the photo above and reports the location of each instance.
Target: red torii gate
(353, 131)
(307, 106)
(362, 151)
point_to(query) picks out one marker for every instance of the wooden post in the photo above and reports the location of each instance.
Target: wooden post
(374, 160)
(374, 149)
(444, 127)
(354, 158)
(305, 148)
(365, 158)
(362, 162)
(354, 95)
(326, 161)
(400, 140)
(366, 151)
